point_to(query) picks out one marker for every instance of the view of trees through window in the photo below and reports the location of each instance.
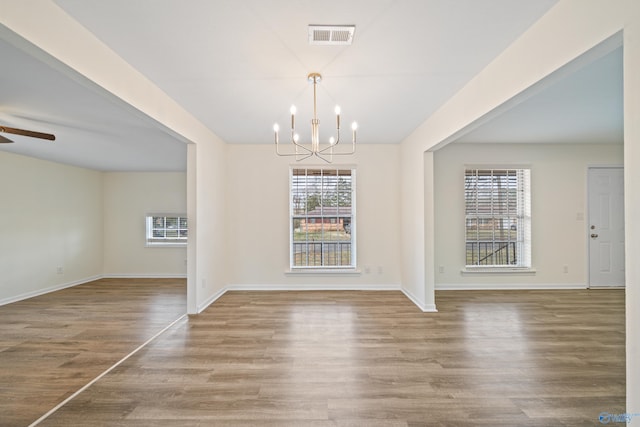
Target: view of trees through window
(498, 217)
(322, 217)
(163, 229)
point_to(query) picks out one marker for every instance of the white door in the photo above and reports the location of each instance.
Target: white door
(606, 227)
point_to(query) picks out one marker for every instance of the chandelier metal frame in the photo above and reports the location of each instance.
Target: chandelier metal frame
(315, 148)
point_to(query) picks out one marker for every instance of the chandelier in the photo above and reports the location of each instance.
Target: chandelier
(324, 151)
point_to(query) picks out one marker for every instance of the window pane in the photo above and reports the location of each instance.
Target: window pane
(321, 217)
(497, 211)
(166, 229)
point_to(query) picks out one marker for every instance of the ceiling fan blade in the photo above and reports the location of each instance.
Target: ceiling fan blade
(30, 133)
(4, 140)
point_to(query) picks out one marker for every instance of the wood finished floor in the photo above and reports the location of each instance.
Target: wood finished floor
(487, 358)
(54, 344)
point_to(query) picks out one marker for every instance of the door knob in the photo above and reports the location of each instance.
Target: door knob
(593, 236)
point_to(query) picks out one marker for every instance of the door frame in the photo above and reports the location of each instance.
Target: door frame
(587, 221)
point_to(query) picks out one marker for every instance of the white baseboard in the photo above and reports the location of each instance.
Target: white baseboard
(202, 307)
(298, 287)
(323, 287)
(507, 286)
(87, 280)
(48, 290)
(144, 276)
(426, 308)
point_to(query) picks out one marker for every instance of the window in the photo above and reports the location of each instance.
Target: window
(498, 217)
(166, 229)
(322, 219)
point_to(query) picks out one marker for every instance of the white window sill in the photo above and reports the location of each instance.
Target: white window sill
(323, 271)
(166, 245)
(498, 270)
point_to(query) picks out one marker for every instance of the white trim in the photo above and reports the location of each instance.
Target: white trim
(497, 270)
(202, 307)
(297, 287)
(507, 165)
(165, 244)
(323, 271)
(353, 225)
(62, 286)
(159, 242)
(314, 287)
(144, 276)
(507, 286)
(50, 289)
(519, 215)
(425, 308)
(330, 166)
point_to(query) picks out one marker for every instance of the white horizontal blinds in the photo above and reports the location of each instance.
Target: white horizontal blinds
(167, 229)
(524, 204)
(321, 217)
(498, 217)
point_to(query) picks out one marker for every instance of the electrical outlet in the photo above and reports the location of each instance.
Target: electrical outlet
(565, 269)
(441, 269)
(59, 270)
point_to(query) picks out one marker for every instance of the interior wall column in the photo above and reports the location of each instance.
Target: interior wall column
(632, 209)
(192, 252)
(429, 232)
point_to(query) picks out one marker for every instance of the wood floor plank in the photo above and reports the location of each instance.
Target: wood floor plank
(487, 358)
(54, 344)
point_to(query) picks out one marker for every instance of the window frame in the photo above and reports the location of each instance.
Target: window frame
(523, 241)
(352, 266)
(156, 241)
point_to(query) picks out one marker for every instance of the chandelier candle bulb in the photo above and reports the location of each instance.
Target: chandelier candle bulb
(293, 117)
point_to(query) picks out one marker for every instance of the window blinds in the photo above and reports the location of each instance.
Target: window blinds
(498, 217)
(322, 217)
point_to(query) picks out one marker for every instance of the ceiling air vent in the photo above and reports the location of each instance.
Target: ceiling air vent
(336, 35)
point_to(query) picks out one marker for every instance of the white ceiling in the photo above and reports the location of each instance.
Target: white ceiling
(237, 66)
(585, 106)
(92, 128)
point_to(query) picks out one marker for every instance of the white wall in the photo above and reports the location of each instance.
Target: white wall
(89, 223)
(570, 30)
(559, 198)
(128, 197)
(257, 232)
(567, 31)
(50, 218)
(208, 249)
(632, 203)
(59, 35)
